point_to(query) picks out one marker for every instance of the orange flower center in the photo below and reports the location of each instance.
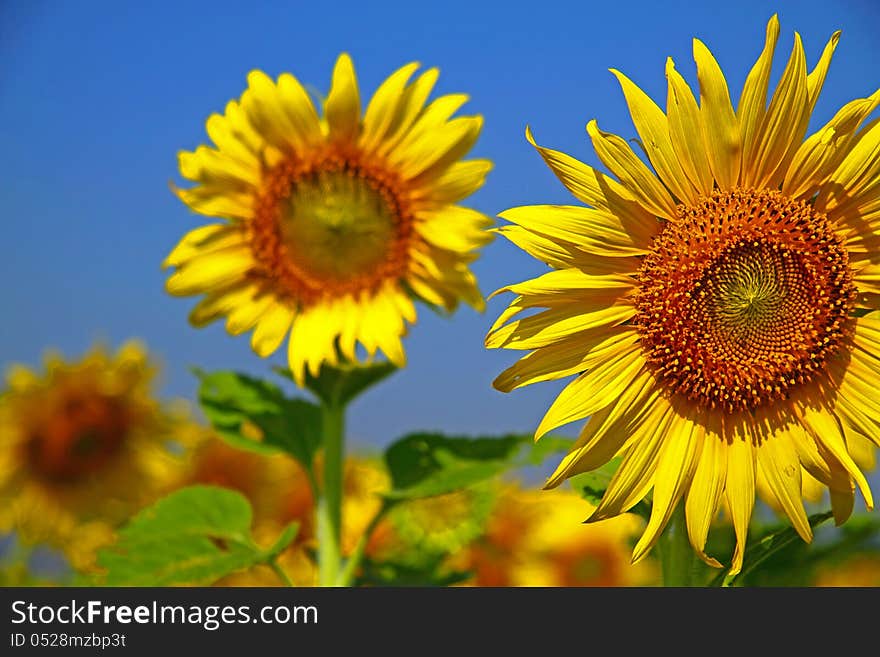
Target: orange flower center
(743, 298)
(79, 438)
(331, 227)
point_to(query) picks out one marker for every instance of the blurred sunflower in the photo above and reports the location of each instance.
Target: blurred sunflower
(82, 446)
(721, 309)
(333, 224)
(443, 523)
(863, 570)
(535, 540)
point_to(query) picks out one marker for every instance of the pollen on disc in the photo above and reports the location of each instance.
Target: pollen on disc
(743, 298)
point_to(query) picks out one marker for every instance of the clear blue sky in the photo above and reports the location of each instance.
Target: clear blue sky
(96, 98)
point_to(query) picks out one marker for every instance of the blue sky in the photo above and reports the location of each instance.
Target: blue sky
(96, 98)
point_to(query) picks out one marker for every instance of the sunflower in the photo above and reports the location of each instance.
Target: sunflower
(331, 225)
(443, 523)
(533, 540)
(82, 447)
(719, 308)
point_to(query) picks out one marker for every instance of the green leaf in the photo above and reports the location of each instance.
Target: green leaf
(239, 406)
(340, 384)
(428, 464)
(758, 552)
(194, 536)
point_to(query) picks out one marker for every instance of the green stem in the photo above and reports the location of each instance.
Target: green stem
(280, 572)
(676, 554)
(346, 577)
(330, 500)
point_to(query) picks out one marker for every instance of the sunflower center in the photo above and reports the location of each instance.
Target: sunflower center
(330, 228)
(743, 298)
(79, 438)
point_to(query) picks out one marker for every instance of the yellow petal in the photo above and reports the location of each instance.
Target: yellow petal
(782, 127)
(383, 106)
(556, 253)
(459, 181)
(653, 128)
(639, 181)
(720, 126)
(213, 237)
(596, 388)
(552, 325)
(411, 104)
(454, 228)
(675, 469)
(592, 230)
(705, 492)
(219, 304)
(778, 462)
(244, 316)
(816, 78)
(603, 193)
(635, 475)
(211, 270)
(827, 431)
(753, 100)
(271, 329)
(822, 151)
(430, 156)
(685, 131)
(857, 179)
(740, 492)
(233, 134)
(261, 103)
(609, 430)
(343, 105)
(212, 167)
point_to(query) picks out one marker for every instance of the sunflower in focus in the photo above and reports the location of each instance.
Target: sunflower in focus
(82, 446)
(331, 225)
(535, 540)
(719, 307)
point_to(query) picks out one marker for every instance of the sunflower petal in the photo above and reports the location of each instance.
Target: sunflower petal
(653, 128)
(639, 180)
(343, 105)
(720, 126)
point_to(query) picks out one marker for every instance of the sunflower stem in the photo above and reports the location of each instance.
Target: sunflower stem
(330, 499)
(676, 554)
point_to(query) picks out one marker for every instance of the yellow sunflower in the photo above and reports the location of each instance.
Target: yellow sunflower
(719, 308)
(331, 225)
(535, 540)
(82, 447)
(443, 523)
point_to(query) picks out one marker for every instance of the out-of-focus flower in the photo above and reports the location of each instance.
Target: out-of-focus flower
(443, 523)
(539, 539)
(331, 225)
(83, 445)
(863, 570)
